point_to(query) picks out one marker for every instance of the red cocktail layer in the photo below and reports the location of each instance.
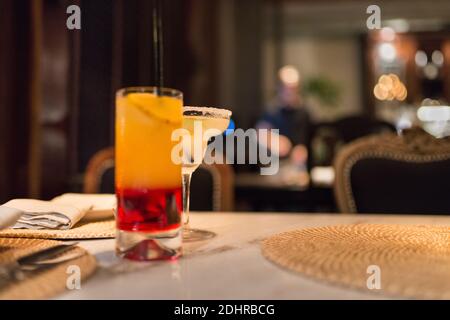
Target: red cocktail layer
(149, 210)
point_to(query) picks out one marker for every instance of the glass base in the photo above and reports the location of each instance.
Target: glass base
(193, 235)
(142, 246)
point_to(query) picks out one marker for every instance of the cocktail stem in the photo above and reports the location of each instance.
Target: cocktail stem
(186, 195)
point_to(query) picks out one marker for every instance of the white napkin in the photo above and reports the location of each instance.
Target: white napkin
(8, 216)
(101, 206)
(62, 212)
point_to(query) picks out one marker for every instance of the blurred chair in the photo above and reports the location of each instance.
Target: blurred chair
(387, 173)
(212, 186)
(329, 137)
(99, 175)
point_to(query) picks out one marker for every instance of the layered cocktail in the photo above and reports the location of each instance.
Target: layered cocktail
(148, 182)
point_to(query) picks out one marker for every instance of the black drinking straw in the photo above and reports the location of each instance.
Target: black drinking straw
(158, 45)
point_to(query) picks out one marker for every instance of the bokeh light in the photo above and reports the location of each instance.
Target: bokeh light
(387, 52)
(389, 87)
(437, 57)
(289, 75)
(421, 59)
(387, 34)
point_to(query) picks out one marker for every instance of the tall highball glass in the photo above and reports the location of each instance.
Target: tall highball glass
(148, 182)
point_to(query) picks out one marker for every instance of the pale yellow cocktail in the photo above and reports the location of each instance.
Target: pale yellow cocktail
(202, 123)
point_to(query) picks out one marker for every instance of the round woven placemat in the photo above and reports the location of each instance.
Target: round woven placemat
(44, 284)
(414, 261)
(83, 230)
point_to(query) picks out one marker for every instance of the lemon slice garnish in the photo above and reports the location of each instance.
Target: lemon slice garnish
(165, 109)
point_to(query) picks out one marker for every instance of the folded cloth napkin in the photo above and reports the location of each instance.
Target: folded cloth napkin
(62, 212)
(102, 206)
(8, 216)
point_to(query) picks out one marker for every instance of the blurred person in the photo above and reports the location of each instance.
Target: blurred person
(290, 117)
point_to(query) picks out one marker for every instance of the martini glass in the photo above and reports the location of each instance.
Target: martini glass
(202, 123)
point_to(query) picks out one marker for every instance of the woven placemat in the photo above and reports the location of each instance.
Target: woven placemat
(83, 230)
(44, 284)
(414, 261)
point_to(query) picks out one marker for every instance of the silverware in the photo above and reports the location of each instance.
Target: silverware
(16, 271)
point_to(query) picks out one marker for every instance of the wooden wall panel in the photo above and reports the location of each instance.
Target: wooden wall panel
(96, 101)
(35, 99)
(54, 64)
(15, 45)
(6, 99)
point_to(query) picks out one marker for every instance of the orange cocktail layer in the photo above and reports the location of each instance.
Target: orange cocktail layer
(148, 183)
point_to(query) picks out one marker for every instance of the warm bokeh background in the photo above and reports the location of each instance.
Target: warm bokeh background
(57, 86)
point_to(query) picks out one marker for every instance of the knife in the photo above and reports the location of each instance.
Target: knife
(13, 271)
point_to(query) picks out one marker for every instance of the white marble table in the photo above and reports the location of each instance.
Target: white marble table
(229, 266)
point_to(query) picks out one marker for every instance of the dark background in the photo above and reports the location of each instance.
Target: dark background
(57, 85)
